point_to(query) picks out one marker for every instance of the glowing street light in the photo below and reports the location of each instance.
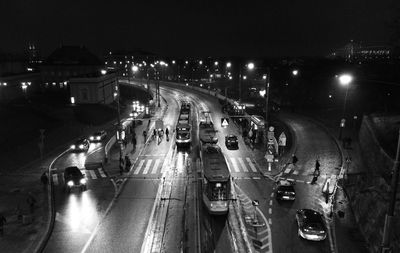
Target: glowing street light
(295, 72)
(228, 64)
(135, 68)
(103, 71)
(344, 80)
(250, 66)
(216, 63)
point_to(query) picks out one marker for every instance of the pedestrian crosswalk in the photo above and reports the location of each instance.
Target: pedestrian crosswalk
(58, 178)
(240, 164)
(148, 167)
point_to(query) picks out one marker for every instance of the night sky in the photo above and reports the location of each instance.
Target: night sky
(195, 28)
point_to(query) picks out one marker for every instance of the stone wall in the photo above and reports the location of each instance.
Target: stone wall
(369, 190)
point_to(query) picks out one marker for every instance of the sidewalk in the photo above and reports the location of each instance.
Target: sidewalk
(148, 124)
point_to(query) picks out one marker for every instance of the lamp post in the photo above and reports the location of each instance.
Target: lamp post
(250, 66)
(344, 80)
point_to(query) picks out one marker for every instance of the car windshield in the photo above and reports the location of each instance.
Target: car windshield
(98, 133)
(183, 136)
(311, 217)
(73, 172)
(286, 188)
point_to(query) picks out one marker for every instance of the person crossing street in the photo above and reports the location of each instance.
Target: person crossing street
(167, 133)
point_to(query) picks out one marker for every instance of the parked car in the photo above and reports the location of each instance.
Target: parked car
(231, 142)
(74, 178)
(285, 190)
(98, 136)
(311, 225)
(80, 145)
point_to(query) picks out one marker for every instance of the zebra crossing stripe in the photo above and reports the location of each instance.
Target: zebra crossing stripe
(234, 164)
(253, 168)
(92, 174)
(102, 174)
(55, 179)
(295, 172)
(146, 169)
(139, 167)
(242, 164)
(287, 171)
(155, 167)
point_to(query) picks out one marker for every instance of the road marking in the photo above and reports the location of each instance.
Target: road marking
(296, 172)
(92, 174)
(146, 169)
(250, 162)
(270, 210)
(139, 167)
(287, 171)
(102, 174)
(243, 165)
(270, 202)
(155, 166)
(272, 195)
(234, 164)
(256, 177)
(55, 179)
(300, 181)
(270, 221)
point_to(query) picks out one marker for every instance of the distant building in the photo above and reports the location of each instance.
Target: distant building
(365, 52)
(11, 64)
(33, 55)
(93, 89)
(67, 62)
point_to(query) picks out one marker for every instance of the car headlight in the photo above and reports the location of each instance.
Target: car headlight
(81, 146)
(98, 138)
(70, 183)
(73, 146)
(83, 181)
(91, 138)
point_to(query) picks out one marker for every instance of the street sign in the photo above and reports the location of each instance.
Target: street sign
(342, 122)
(282, 139)
(255, 202)
(159, 124)
(224, 122)
(269, 158)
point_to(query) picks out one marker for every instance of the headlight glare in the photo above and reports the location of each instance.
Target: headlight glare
(70, 183)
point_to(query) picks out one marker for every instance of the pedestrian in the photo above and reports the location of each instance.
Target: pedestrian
(167, 133)
(154, 134)
(44, 179)
(128, 163)
(121, 165)
(317, 165)
(294, 159)
(2, 222)
(31, 202)
(144, 135)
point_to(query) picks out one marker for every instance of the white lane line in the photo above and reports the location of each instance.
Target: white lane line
(243, 165)
(55, 179)
(235, 166)
(139, 167)
(102, 174)
(300, 181)
(270, 211)
(146, 169)
(270, 221)
(155, 167)
(272, 195)
(296, 172)
(250, 162)
(270, 202)
(92, 174)
(287, 171)
(256, 177)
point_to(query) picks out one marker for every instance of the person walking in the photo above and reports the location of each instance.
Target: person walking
(317, 165)
(144, 135)
(121, 165)
(128, 163)
(2, 222)
(294, 159)
(154, 134)
(44, 179)
(167, 133)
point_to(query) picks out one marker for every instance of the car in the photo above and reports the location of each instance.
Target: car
(311, 225)
(231, 142)
(81, 144)
(98, 136)
(74, 178)
(285, 190)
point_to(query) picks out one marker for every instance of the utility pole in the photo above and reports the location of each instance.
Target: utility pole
(267, 84)
(387, 231)
(119, 117)
(240, 82)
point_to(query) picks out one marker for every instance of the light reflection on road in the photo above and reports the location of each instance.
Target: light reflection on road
(81, 212)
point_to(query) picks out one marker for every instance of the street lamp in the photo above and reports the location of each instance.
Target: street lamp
(295, 72)
(228, 64)
(250, 66)
(344, 80)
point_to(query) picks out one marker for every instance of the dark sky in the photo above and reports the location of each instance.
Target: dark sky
(197, 28)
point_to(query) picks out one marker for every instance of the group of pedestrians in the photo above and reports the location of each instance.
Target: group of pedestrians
(316, 172)
(157, 134)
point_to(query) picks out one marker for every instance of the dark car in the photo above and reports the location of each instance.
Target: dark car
(285, 190)
(73, 178)
(311, 225)
(231, 142)
(98, 136)
(81, 145)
